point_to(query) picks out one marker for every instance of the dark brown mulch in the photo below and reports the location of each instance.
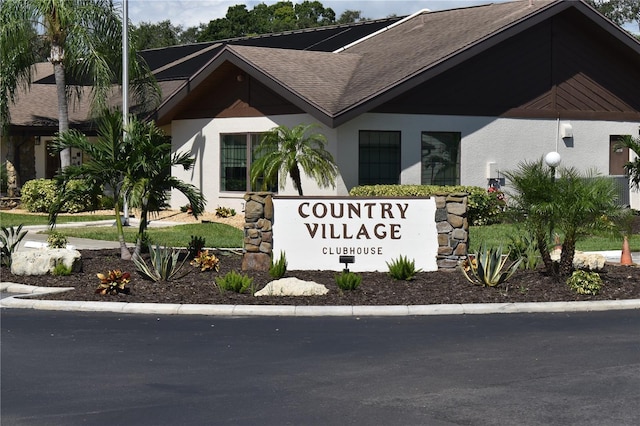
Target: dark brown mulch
(620, 282)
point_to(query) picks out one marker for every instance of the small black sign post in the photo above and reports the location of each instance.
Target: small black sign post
(347, 260)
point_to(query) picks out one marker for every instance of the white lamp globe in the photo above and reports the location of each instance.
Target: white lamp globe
(552, 159)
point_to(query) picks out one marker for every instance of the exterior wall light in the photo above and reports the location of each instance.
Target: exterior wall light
(552, 159)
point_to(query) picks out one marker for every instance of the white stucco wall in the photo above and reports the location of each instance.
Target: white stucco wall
(201, 137)
(502, 141)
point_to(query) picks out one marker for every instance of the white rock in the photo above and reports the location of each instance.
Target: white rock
(589, 262)
(585, 261)
(292, 287)
(44, 261)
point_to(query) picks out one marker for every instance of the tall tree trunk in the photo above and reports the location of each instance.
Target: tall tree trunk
(144, 214)
(125, 254)
(57, 58)
(566, 258)
(543, 248)
(295, 177)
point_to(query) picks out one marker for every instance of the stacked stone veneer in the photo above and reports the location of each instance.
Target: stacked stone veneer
(258, 233)
(451, 223)
(453, 229)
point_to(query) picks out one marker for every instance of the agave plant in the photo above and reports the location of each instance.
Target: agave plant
(488, 267)
(165, 264)
(10, 238)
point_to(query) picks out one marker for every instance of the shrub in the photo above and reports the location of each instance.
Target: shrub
(584, 282)
(196, 244)
(484, 208)
(279, 267)
(38, 195)
(79, 197)
(206, 261)
(348, 280)
(56, 240)
(233, 281)
(525, 248)
(106, 202)
(113, 282)
(165, 264)
(61, 270)
(9, 241)
(225, 212)
(402, 269)
(487, 267)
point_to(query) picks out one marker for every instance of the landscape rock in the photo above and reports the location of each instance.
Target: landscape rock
(252, 260)
(43, 261)
(583, 261)
(292, 286)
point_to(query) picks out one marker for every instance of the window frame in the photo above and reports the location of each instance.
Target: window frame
(365, 177)
(251, 141)
(446, 180)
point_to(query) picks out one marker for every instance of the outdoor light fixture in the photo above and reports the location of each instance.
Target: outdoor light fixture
(552, 159)
(347, 260)
(566, 130)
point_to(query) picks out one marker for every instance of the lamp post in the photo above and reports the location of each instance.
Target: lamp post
(552, 159)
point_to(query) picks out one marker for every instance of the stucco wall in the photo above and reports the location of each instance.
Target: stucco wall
(502, 141)
(202, 138)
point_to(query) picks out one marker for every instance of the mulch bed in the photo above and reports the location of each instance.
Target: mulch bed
(441, 287)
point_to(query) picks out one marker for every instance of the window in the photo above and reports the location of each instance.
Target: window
(379, 158)
(235, 149)
(440, 154)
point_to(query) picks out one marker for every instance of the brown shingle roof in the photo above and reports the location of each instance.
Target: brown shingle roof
(427, 39)
(335, 82)
(320, 78)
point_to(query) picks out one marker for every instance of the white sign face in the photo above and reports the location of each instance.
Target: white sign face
(314, 232)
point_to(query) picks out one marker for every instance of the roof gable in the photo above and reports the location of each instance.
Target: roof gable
(335, 87)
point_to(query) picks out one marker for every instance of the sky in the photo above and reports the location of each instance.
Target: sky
(191, 13)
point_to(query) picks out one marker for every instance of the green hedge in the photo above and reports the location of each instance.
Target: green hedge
(39, 195)
(484, 208)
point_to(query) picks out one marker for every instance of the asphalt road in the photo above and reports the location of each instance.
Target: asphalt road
(63, 368)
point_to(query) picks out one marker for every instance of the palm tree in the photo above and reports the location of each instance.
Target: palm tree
(575, 204)
(84, 39)
(284, 151)
(149, 177)
(632, 167)
(138, 164)
(108, 158)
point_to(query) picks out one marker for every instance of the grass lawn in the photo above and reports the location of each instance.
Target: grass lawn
(495, 235)
(15, 219)
(217, 235)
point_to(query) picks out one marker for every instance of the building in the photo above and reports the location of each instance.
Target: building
(447, 97)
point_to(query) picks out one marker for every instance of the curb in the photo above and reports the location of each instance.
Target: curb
(22, 301)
